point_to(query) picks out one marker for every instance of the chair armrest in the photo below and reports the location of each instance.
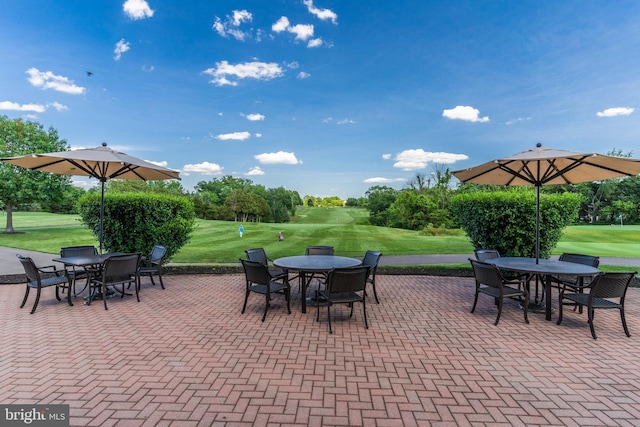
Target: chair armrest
(51, 269)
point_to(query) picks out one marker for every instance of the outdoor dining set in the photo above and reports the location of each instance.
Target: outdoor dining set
(104, 275)
(576, 276)
(341, 280)
(325, 280)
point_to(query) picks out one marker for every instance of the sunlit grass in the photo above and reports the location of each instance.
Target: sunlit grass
(219, 241)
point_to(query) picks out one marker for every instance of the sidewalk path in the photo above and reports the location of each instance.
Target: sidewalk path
(10, 265)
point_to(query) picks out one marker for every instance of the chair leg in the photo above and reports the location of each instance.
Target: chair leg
(329, 317)
(246, 298)
(500, 301)
(560, 308)
(266, 308)
(35, 304)
(525, 307)
(26, 295)
(137, 284)
(364, 312)
(104, 294)
(475, 301)
(624, 322)
(590, 315)
(287, 294)
(160, 279)
(375, 294)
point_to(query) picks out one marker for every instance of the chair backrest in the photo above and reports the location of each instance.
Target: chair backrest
(157, 253)
(352, 279)
(371, 259)
(255, 272)
(487, 274)
(120, 268)
(257, 254)
(70, 251)
(610, 285)
(319, 250)
(30, 269)
(591, 260)
(486, 254)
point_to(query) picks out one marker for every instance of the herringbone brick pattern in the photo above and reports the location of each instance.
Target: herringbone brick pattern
(185, 356)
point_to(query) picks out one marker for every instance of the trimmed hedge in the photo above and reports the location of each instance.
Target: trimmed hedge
(506, 220)
(134, 222)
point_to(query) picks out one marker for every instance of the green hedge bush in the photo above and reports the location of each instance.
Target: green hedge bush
(134, 222)
(506, 220)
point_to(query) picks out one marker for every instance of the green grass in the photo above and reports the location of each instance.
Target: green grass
(219, 241)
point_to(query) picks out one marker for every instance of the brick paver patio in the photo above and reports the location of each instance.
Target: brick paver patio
(185, 356)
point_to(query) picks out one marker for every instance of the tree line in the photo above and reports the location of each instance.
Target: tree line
(422, 204)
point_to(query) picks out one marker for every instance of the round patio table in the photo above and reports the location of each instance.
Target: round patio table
(546, 268)
(305, 264)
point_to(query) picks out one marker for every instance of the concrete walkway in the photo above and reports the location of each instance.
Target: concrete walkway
(10, 265)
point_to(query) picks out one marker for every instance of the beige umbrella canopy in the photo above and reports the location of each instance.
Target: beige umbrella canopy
(547, 166)
(101, 163)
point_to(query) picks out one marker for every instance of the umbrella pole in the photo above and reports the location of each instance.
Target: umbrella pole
(101, 211)
(537, 224)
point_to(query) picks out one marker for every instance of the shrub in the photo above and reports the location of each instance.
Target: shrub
(506, 220)
(134, 222)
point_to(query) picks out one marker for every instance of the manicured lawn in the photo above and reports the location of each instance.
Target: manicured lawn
(219, 241)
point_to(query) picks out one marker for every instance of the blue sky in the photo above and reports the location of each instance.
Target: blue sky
(324, 97)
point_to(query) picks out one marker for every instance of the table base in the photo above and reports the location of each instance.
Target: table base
(537, 308)
(315, 302)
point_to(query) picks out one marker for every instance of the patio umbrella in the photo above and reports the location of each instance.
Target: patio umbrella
(101, 163)
(546, 166)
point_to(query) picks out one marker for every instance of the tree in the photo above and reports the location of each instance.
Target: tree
(19, 186)
(380, 198)
(135, 186)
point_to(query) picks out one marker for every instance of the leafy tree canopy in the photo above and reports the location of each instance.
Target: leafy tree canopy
(19, 186)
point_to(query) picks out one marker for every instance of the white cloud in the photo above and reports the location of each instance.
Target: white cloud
(255, 171)
(148, 68)
(617, 111)
(467, 113)
(204, 168)
(386, 156)
(518, 120)
(302, 31)
(345, 122)
(121, 47)
(257, 135)
(281, 157)
(255, 117)
(237, 136)
(36, 108)
(418, 159)
(302, 75)
(322, 14)
(58, 106)
(327, 120)
(252, 70)
(48, 80)
(380, 180)
(280, 25)
(315, 43)
(231, 26)
(13, 106)
(137, 9)
(293, 65)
